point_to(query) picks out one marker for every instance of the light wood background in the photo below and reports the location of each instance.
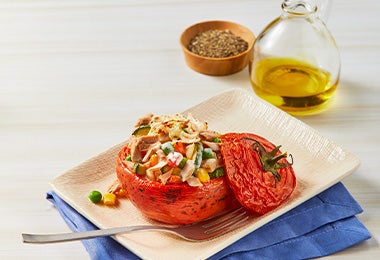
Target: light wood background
(75, 75)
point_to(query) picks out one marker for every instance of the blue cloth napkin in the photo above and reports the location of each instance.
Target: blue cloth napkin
(323, 225)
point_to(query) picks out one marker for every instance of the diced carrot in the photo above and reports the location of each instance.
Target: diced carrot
(180, 148)
(122, 193)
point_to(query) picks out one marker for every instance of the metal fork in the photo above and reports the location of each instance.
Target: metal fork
(200, 231)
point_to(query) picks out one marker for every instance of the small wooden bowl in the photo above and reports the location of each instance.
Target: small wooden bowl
(217, 66)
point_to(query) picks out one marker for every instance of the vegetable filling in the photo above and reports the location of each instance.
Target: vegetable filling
(173, 149)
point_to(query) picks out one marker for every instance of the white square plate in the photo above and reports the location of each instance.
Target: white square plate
(318, 163)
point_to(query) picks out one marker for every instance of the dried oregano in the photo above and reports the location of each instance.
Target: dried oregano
(217, 44)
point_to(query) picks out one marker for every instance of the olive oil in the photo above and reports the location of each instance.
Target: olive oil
(292, 85)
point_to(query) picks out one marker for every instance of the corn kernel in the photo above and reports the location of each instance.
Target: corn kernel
(153, 160)
(109, 199)
(202, 175)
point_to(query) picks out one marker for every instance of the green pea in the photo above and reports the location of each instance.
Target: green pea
(95, 196)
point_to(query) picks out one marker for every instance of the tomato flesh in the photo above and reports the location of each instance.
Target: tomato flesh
(255, 188)
(175, 203)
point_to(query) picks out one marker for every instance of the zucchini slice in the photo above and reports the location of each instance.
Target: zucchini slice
(141, 130)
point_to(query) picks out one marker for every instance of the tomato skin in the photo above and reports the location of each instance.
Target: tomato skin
(175, 203)
(255, 188)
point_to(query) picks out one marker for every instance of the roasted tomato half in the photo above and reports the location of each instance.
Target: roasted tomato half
(175, 203)
(258, 173)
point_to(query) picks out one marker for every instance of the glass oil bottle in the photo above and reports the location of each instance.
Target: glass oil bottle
(296, 63)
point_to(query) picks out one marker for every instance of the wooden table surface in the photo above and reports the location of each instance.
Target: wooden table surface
(74, 75)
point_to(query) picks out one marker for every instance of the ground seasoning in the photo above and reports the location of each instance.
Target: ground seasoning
(217, 44)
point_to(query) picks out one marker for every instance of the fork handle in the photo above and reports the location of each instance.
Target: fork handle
(72, 236)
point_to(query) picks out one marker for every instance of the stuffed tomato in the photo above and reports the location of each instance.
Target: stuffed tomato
(173, 170)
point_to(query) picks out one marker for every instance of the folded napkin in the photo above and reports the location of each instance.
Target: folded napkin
(323, 225)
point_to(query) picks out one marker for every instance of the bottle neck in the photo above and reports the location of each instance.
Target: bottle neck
(299, 8)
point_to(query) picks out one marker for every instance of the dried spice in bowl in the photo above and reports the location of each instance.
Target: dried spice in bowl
(217, 44)
(226, 58)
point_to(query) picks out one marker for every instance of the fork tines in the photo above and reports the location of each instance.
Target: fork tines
(225, 223)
